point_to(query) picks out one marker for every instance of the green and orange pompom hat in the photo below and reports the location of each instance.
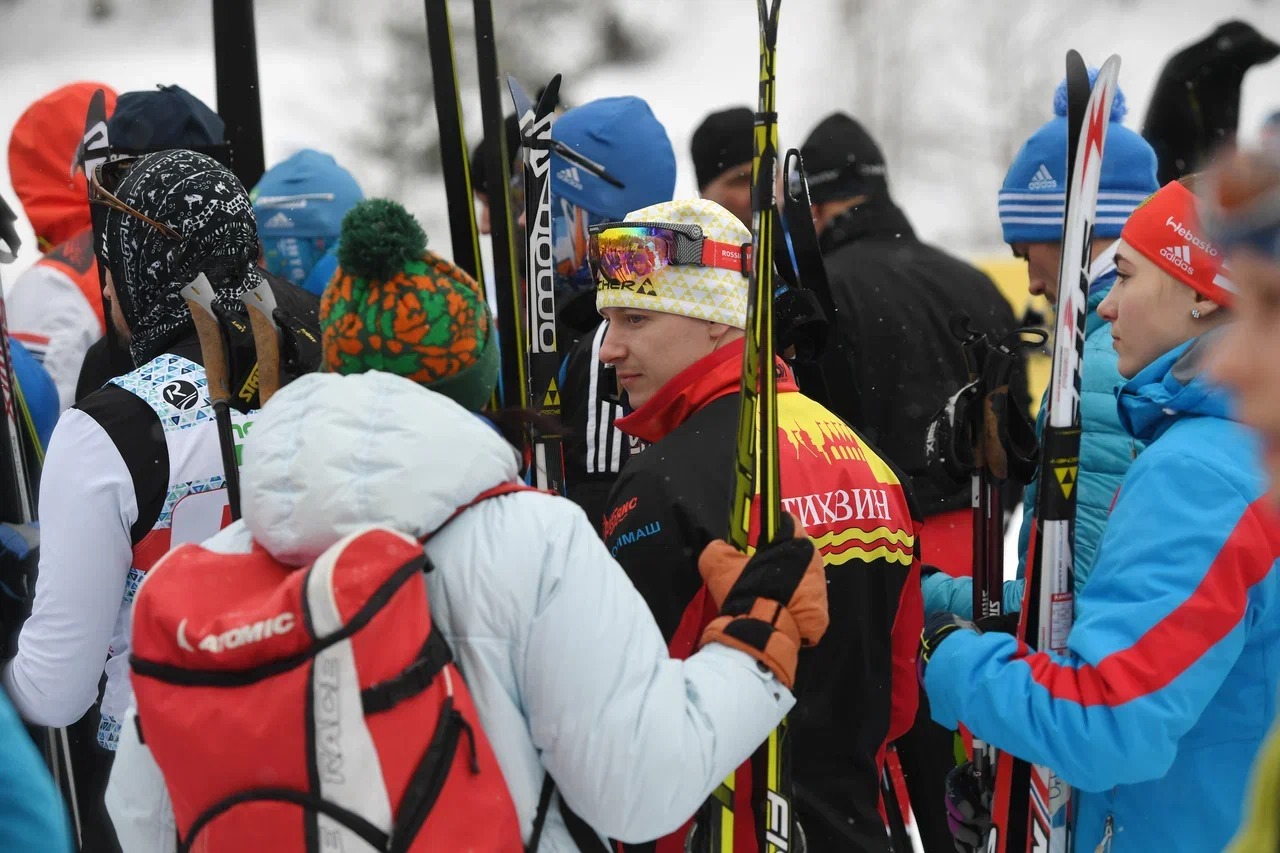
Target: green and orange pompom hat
(396, 307)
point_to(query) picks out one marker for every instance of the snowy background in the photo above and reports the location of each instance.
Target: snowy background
(950, 89)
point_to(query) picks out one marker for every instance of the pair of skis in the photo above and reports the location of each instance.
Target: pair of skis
(756, 464)
(1032, 805)
(522, 350)
(530, 353)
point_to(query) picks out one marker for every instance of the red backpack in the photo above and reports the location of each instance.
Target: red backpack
(307, 709)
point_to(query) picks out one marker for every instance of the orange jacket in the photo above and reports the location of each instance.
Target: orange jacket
(42, 152)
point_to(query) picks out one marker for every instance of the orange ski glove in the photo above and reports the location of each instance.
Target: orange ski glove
(771, 604)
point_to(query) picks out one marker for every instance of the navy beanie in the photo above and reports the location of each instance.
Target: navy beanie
(624, 136)
(1033, 196)
(170, 117)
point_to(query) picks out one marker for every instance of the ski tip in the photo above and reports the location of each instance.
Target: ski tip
(551, 93)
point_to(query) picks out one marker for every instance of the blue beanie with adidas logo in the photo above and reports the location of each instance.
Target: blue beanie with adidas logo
(623, 135)
(1033, 197)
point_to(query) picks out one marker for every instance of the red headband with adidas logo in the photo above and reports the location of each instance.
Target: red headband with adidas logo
(1165, 229)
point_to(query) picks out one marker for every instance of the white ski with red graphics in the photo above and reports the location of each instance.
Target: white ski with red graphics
(1048, 605)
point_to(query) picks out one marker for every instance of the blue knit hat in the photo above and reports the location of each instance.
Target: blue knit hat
(304, 196)
(1033, 197)
(624, 136)
(299, 204)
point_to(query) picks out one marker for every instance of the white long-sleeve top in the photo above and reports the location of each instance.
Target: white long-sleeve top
(132, 470)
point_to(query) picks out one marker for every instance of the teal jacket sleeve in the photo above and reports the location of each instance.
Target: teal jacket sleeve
(32, 816)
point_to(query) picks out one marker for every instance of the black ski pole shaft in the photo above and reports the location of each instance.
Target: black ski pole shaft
(506, 262)
(235, 47)
(213, 349)
(459, 195)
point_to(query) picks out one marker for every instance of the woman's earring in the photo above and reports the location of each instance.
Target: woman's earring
(1195, 313)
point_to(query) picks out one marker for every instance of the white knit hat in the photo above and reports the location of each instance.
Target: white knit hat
(707, 293)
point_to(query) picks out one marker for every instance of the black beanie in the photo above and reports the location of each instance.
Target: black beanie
(841, 161)
(724, 139)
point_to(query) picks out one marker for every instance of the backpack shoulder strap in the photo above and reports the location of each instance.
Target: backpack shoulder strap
(540, 818)
(582, 835)
(496, 491)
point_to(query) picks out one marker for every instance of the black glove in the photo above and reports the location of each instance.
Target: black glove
(1005, 623)
(19, 557)
(937, 628)
(968, 808)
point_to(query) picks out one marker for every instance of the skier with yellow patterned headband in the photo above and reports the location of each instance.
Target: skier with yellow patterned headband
(672, 285)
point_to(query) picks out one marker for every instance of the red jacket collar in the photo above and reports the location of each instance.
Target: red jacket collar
(707, 379)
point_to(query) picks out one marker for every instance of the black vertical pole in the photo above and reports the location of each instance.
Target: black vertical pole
(235, 48)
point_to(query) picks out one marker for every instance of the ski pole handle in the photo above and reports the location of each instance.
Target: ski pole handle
(260, 304)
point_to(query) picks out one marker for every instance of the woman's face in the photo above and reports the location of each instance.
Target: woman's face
(1247, 359)
(1149, 312)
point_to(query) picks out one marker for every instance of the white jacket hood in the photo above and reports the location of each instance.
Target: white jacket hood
(330, 454)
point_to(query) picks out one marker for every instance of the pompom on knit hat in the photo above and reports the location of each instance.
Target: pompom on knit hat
(1033, 196)
(396, 307)
(706, 293)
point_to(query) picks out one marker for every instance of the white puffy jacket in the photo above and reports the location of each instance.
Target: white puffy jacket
(568, 669)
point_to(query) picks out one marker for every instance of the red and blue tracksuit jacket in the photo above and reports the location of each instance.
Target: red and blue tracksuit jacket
(1169, 682)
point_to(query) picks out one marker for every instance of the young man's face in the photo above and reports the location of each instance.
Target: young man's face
(649, 348)
(1043, 260)
(117, 316)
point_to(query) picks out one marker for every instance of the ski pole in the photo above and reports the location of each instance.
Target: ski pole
(213, 349)
(235, 52)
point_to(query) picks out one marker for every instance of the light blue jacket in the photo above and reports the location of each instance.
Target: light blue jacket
(32, 816)
(1106, 451)
(1169, 681)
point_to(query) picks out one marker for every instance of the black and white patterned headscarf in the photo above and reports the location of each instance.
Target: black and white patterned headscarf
(204, 202)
